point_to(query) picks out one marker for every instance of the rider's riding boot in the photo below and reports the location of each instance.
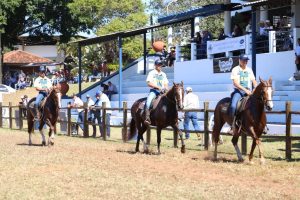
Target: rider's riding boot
(147, 117)
(38, 114)
(233, 125)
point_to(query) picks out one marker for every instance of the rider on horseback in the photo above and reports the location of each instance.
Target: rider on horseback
(157, 80)
(42, 84)
(243, 79)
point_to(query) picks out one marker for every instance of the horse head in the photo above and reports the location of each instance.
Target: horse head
(266, 93)
(178, 94)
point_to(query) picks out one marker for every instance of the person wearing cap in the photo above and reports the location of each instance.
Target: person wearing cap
(90, 103)
(101, 97)
(243, 79)
(42, 84)
(191, 101)
(157, 81)
(78, 103)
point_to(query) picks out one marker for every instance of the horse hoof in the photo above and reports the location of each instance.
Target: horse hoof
(43, 143)
(183, 149)
(241, 160)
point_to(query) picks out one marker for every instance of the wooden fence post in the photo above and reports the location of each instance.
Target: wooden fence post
(206, 121)
(85, 122)
(288, 143)
(124, 132)
(20, 117)
(104, 120)
(148, 136)
(69, 120)
(10, 115)
(175, 139)
(1, 120)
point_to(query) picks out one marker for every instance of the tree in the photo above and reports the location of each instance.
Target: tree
(39, 18)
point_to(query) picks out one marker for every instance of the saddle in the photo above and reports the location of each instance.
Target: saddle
(153, 105)
(241, 105)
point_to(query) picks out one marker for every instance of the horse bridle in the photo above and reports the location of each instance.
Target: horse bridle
(262, 94)
(172, 101)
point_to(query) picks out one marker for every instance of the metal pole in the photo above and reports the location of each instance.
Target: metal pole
(192, 27)
(151, 23)
(120, 70)
(145, 52)
(79, 65)
(253, 27)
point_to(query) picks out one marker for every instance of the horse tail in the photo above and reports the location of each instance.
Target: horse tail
(132, 130)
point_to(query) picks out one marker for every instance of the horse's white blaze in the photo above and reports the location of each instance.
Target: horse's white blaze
(270, 100)
(164, 108)
(181, 98)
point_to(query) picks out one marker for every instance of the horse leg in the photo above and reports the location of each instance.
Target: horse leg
(51, 132)
(42, 123)
(218, 124)
(30, 123)
(260, 150)
(143, 129)
(178, 131)
(256, 141)
(138, 143)
(252, 150)
(158, 131)
(234, 141)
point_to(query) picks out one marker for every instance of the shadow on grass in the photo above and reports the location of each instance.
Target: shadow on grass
(150, 153)
(32, 145)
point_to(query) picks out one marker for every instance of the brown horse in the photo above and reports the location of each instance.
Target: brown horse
(163, 114)
(49, 115)
(252, 118)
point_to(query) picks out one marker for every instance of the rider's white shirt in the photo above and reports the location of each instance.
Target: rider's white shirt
(158, 78)
(236, 75)
(42, 83)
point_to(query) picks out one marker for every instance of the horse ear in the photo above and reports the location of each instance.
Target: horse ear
(174, 83)
(270, 80)
(182, 83)
(261, 80)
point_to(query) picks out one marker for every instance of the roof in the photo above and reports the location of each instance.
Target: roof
(23, 57)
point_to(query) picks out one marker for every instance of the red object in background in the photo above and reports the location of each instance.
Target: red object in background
(158, 46)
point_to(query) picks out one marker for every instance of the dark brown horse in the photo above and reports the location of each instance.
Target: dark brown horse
(252, 118)
(49, 115)
(163, 114)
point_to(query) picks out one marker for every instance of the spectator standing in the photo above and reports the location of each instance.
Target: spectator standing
(249, 27)
(24, 102)
(222, 35)
(101, 97)
(191, 101)
(237, 31)
(297, 54)
(112, 89)
(105, 69)
(206, 37)
(90, 103)
(171, 57)
(78, 103)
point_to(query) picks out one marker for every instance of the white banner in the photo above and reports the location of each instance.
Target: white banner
(229, 44)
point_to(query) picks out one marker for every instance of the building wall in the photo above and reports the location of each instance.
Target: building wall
(278, 65)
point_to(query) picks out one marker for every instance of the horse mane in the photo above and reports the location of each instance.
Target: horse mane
(257, 89)
(52, 97)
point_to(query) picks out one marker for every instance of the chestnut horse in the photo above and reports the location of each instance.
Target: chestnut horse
(164, 113)
(252, 118)
(49, 116)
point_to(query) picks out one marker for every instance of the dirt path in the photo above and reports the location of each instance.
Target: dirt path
(77, 168)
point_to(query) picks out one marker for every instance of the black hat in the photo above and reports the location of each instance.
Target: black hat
(158, 62)
(42, 68)
(244, 57)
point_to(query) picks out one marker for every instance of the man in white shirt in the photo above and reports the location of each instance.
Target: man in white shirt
(78, 103)
(191, 101)
(243, 78)
(101, 97)
(42, 84)
(157, 80)
(90, 103)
